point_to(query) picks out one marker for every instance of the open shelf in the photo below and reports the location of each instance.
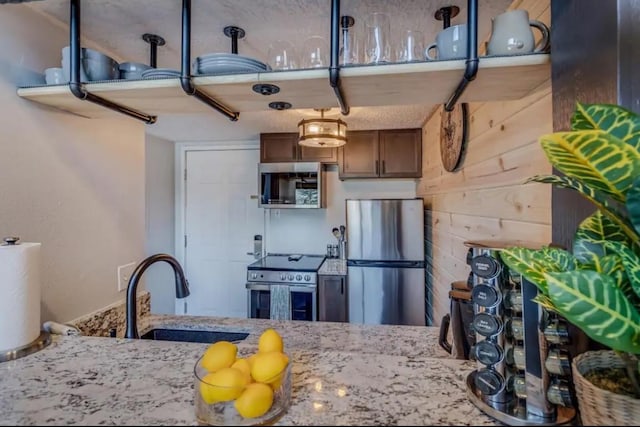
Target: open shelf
(423, 83)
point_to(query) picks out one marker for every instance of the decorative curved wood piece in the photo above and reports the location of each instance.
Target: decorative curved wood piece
(453, 136)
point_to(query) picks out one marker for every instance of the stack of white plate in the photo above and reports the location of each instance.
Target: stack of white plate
(227, 63)
(160, 73)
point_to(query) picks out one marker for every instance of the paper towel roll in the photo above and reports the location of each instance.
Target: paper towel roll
(19, 294)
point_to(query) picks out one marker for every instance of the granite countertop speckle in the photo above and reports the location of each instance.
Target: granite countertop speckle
(333, 267)
(343, 374)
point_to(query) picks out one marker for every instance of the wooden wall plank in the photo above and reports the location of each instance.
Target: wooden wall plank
(530, 202)
(487, 198)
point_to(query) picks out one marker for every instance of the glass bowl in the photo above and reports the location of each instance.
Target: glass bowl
(225, 414)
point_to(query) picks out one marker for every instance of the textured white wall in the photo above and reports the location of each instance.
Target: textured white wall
(160, 223)
(308, 231)
(74, 184)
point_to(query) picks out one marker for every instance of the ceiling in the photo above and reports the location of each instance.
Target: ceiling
(117, 26)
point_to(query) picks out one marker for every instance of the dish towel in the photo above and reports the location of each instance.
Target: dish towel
(280, 307)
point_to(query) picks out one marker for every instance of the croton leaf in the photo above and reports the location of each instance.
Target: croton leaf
(592, 234)
(612, 266)
(633, 204)
(598, 159)
(591, 301)
(616, 120)
(533, 263)
(596, 197)
(631, 263)
(545, 302)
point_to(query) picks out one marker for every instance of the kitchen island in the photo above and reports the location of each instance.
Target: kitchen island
(342, 374)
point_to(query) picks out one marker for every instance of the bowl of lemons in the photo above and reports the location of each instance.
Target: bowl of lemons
(241, 391)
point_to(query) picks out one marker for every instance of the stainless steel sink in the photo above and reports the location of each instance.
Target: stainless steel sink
(191, 335)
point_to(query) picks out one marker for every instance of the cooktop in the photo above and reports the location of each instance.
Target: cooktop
(288, 262)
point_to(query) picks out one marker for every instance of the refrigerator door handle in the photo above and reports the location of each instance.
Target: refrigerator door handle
(394, 264)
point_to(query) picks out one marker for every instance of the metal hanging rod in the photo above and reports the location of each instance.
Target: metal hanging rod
(154, 41)
(334, 68)
(185, 74)
(76, 87)
(472, 54)
(234, 33)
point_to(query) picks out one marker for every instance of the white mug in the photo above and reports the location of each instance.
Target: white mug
(451, 43)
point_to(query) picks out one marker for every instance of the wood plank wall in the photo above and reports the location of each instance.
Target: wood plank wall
(485, 199)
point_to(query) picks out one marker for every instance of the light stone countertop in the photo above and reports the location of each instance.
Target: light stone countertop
(333, 267)
(342, 374)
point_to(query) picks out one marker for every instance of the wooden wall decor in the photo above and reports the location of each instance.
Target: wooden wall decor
(454, 129)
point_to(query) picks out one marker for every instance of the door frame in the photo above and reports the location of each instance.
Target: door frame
(181, 149)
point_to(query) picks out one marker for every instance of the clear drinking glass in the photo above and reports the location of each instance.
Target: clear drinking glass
(282, 55)
(314, 53)
(411, 47)
(349, 51)
(377, 45)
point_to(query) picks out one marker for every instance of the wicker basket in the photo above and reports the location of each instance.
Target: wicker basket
(600, 407)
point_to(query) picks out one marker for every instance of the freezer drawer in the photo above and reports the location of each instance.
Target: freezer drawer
(386, 295)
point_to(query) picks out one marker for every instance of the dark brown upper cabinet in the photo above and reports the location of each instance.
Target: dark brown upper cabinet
(389, 153)
(283, 147)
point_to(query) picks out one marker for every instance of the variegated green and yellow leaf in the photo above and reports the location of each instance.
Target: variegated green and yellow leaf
(592, 234)
(612, 266)
(616, 120)
(630, 261)
(545, 302)
(591, 301)
(596, 197)
(532, 264)
(633, 204)
(599, 160)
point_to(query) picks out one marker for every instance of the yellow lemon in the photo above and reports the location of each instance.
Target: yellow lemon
(251, 359)
(267, 366)
(219, 355)
(254, 401)
(269, 341)
(243, 366)
(223, 385)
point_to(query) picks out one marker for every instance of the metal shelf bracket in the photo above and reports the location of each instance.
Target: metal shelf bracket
(185, 73)
(334, 68)
(472, 54)
(76, 87)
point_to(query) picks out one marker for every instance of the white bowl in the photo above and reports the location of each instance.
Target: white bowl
(93, 65)
(54, 76)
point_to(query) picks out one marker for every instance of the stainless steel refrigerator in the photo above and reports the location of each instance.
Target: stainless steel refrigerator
(385, 259)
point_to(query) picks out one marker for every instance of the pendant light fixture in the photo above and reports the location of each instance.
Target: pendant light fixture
(321, 132)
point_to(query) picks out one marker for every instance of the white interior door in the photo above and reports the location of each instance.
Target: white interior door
(221, 218)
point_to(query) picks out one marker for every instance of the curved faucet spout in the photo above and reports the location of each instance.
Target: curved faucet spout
(182, 288)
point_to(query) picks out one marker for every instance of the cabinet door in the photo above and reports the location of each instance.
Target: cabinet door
(315, 154)
(332, 299)
(278, 147)
(401, 153)
(359, 157)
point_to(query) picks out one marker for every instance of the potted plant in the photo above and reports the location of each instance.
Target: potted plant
(596, 286)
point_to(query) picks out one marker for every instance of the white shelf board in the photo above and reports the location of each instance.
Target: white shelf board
(422, 83)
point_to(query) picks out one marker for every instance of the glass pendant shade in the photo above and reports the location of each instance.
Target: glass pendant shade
(322, 132)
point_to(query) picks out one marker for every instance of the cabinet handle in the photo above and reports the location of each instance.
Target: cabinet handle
(383, 167)
(341, 287)
(294, 151)
(376, 167)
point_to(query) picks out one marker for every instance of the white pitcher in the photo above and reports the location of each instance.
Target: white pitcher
(511, 34)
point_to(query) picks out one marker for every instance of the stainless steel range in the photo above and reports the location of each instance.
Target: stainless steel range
(283, 287)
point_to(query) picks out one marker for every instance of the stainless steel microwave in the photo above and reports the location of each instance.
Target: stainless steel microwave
(291, 185)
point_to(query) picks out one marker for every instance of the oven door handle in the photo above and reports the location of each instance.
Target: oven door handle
(257, 287)
(302, 288)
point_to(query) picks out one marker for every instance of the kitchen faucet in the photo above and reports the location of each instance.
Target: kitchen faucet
(182, 288)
